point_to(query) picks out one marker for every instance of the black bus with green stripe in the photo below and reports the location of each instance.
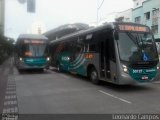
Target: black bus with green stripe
(120, 53)
(31, 52)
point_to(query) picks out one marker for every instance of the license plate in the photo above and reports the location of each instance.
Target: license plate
(144, 78)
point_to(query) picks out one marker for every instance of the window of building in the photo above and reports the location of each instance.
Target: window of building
(147, 15)
(155, 29)
(137, 3)
(138, 19)
(155, 15)
(155, 12)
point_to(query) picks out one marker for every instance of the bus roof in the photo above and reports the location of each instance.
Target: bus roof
(110, 26)
(65, 29)
(32, 36)
(82, 32)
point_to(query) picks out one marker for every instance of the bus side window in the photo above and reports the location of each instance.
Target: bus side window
(76, 48)
(93, 43)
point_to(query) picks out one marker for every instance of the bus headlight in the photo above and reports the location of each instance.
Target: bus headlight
(48, 59)
(20, 59)
(125, 69)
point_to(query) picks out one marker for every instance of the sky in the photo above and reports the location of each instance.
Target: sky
(53, 13)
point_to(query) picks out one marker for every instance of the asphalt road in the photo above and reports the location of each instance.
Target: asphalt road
(50, 92)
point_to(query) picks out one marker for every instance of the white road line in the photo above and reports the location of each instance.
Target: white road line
(121, 99)
(60, 74)
(157, 82)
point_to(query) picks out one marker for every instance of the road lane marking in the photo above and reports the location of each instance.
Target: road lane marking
(63, 75)
(10, 97)
(7, 103)
(10, 105)
(157, 82)
(121, 99)
(10, 110)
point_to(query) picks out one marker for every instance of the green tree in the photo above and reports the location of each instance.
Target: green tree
(6, 47)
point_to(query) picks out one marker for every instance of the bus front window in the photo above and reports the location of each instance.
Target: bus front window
(136, 47)
(34, 50)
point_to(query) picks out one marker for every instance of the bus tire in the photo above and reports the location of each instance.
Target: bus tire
(20, 71)
(41, 70)
(93, 75)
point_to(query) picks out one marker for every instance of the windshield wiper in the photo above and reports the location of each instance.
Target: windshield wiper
(133, 39)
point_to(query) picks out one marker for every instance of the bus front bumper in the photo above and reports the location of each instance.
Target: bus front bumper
(23, 65)
(125, 78)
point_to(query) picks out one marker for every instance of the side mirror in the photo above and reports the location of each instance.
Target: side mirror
(116, 36)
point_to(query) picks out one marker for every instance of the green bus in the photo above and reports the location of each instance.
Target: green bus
(120, 53)
(31, 52)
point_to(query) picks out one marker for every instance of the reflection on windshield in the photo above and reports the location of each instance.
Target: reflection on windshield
(136, 47)
(35, 50)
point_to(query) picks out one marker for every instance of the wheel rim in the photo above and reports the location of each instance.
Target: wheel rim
(93, 75)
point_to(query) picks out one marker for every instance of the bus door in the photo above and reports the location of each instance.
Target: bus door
(107, 56)
(104, 58)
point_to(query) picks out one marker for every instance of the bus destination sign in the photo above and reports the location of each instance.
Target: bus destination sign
(133, 28)
(34, 41)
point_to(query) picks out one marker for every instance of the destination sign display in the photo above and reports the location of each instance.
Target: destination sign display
(134, 28)
(33, 41)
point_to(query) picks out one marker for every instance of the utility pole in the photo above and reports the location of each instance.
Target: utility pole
(98, 8)
(2, 16)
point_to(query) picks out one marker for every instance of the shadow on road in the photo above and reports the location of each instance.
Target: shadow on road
(33, 71)
(127, 88)
(118, 88)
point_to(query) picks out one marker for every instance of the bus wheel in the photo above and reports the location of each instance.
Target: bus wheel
(94, 76)
(20, 71)
(41, 70)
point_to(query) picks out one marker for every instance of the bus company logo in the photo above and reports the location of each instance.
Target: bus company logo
(150, 70)
(29, 60)
(65, 58)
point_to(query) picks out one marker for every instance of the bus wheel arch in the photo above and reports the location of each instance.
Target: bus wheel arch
(92, 74)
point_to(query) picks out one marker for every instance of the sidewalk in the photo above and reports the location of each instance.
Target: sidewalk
(5, 69)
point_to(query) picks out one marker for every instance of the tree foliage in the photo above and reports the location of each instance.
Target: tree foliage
(6, 47)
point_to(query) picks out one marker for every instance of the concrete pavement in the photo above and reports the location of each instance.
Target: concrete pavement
(50, 92)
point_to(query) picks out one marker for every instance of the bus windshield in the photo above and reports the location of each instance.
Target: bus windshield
(134, 46)
(34, 50)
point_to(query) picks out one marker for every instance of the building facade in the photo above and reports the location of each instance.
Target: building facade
(138, 3)
(148, 13)
(1, 17)
(124, 16)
